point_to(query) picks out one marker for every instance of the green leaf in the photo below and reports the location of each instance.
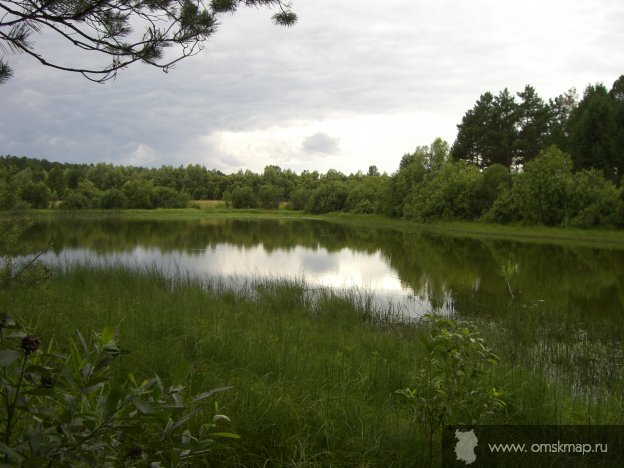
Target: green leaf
(11, 454)
(39, 369)
(107, 335)
(229, 435)
(114, 395)
(83, 343)
(209, 393)
(143, 406)
(9, 356)
(182, 373)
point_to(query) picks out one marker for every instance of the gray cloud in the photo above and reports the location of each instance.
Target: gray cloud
(345, 59)
(321, 143)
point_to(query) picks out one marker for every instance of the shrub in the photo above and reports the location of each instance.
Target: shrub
(114, 199)
(496, 180)
(243, 196)
(594, 200)
(450, 193)
(37, 195)
(68, 411)
(75, 201)
(544, 189)
(330, 196)
(299, 198)
(453, 385)
(165, 197)
(270, 196)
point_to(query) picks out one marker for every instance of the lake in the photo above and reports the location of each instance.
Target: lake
(555, 307)
(414, 272)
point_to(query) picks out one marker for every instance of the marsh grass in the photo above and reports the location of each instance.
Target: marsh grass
(314, 375)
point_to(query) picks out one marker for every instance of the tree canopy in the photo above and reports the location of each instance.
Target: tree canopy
(502, 130)
(117, 32)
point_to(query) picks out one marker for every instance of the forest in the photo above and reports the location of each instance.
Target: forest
(516, 159)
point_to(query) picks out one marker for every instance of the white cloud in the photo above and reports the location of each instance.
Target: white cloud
(141, 155)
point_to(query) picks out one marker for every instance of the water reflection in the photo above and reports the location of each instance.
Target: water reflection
(423, 271)
(344, 270)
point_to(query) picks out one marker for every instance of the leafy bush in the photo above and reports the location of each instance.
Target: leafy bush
(269, 196)
(114, 199)
(75, 201)
(139, 194)
(164, 197)
(331, 195)
(496, 180)
(453, 385)
(544, 190)
(243, 196)
(449, 193)
(37, 195)
(299, 198)
(505, 209)
(67, 410)
(594, 200)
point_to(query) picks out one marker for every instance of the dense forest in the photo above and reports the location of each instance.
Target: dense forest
(516, 158)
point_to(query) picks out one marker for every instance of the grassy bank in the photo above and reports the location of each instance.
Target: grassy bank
(607, 238)
(314, 379)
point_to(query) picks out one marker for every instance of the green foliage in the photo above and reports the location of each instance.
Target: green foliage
(165, 197)
(56, 182)
(450, 193)
(496, 180)
(299, 198)
(500, 130)
(269, 196)
(412, 171)
(453, 384)
(331, 195)
(595, 132)
(506, 208)
(37, 195)
(114, 199)
(68, 410)
(106, 29)
(75, 201)
(534, 120)
(488, 132)
(594, 200)
(544, 189)
(366, 195)
(9, 192)
(138, 193)
(243, 196)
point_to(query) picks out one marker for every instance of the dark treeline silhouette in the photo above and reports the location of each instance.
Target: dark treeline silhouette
(515, 159)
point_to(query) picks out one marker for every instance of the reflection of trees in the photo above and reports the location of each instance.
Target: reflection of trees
(583, 281)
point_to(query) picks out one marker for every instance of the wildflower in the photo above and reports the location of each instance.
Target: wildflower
(30, 344)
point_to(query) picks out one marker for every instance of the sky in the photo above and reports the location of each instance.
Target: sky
(352, 84)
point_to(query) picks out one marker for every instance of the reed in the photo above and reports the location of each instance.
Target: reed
(314, 373)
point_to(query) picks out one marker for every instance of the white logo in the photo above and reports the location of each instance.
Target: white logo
(466, 444)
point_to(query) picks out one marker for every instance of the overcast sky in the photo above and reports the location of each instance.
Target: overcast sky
(353, 83)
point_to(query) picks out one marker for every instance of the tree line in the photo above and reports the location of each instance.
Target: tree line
(34, 183)
(559, 162)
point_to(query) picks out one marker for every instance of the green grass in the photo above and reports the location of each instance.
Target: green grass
(314, 377)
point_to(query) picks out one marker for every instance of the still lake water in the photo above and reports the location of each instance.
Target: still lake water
(414, 272)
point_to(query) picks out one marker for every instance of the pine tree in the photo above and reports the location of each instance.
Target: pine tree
(106, 28)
